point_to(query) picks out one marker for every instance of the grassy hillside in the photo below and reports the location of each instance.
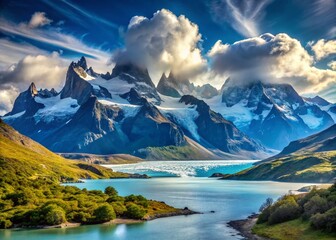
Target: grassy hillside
(306, 216)
(295, 229)
(30, 193)
(312, 167)
(22, 157)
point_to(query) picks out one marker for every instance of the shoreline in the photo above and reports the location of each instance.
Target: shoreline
(244, 227)
(179, 212)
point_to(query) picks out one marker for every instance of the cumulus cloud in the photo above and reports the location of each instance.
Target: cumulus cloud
(46, 71)
(7, 96)
(323, 48)
(243, 16)
(163, 43)
(39, 19)
(332, 65)
(278, 58)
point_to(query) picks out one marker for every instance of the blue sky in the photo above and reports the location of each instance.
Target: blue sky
(101, 24)
(46, 32)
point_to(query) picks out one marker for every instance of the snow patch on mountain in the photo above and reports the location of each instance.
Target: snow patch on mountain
(129, 110)
(55, 108)
(311, 120)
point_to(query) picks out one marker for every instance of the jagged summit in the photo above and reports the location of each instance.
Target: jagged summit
(132, 73)
(175, 87)
(77, 87)
(82, 63)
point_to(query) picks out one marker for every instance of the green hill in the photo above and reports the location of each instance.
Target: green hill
(310, 167)
(20, 156)
(31, 196)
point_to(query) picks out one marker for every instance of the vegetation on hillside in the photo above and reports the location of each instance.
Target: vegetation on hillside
(304, 216)
(31, 194)
(312, 167)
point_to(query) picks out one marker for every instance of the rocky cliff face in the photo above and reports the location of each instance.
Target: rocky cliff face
(174, 87)
(217, 131)
(77, 87)
(26, 102)
(137, 77)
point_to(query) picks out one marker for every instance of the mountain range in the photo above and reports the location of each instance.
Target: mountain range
(125, 113)
(311, 159)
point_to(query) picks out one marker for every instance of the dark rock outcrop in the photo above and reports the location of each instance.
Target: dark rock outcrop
(133, 97)
(165, 87)
(133, 74)
(78, 88)
(26, 102)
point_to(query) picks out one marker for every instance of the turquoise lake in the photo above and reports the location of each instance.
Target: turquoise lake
(180, 184)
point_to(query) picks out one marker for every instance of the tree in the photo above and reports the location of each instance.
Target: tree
(284, 210)
(104, 213)
(54, 215)
(315, 205)
(134, 211)
(111, 191)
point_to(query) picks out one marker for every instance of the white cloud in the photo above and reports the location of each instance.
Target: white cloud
(12, 52)
(7, 97)
(53, 36)
(162, 43)
(278, 58)
(332, 65)
(39, 19)
(46, 71)
(243, 16)
(323, 48)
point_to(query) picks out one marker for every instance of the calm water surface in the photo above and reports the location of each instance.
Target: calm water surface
(229, 199)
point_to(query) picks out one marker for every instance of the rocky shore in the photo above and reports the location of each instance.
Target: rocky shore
(244, 227)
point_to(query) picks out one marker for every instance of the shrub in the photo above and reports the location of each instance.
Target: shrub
(315, 205)
(54, 214)
(5, 223)
(326, 221)
(284, 210)
(265, 211)
(111, 191)
(104, 213)
(134, 211)
(119, 208)
(82, 217)
(137, 199)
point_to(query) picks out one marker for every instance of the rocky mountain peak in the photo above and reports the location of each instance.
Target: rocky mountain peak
(133, 97)
(32, 90)
(82, 63)
(132, 73)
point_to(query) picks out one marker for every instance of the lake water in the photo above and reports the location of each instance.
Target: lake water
(192, 188)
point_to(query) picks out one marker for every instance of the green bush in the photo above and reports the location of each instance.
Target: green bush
(326, 221)
(315, 205)
(137, 199)
(111, 191)
(54, 214)
(135, 211)
(119, 208)
(284, 210)
(104, 213)
(5, 223)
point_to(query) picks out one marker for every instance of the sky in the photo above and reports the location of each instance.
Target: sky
(205, 41)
